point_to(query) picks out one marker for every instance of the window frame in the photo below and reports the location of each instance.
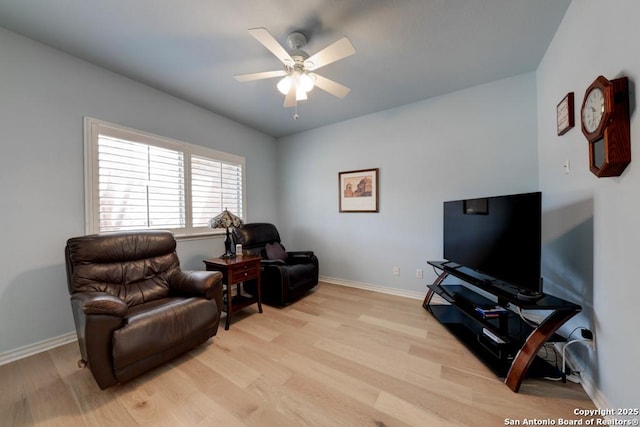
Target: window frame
(94, 127)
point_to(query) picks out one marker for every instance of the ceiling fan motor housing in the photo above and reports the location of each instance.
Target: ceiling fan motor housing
(297, 40)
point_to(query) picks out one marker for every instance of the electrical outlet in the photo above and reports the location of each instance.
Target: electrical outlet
(396, 271)
(586, 334)
(419, 273)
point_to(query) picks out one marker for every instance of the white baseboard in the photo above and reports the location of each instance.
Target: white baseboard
(593, 392)
(586, 381)
(374, 288)
(39, 347)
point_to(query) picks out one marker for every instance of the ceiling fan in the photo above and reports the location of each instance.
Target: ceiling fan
(298, 76)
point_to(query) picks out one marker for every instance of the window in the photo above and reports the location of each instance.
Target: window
(136, 180)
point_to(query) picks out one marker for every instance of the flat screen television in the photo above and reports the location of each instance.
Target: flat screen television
(498, 237)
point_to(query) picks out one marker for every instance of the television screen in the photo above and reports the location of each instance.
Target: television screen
(497, 236)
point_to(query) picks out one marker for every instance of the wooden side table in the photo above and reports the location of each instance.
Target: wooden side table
(235, 271)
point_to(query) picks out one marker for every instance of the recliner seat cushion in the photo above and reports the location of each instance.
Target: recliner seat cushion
(154, 327)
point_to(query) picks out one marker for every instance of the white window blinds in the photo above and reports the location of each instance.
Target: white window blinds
(141, 181)
(215, 186)
(141, 186)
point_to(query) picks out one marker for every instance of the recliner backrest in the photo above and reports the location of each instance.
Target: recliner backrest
(254, 236)
(133, 267)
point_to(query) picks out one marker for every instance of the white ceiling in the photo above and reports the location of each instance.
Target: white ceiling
(406, 50)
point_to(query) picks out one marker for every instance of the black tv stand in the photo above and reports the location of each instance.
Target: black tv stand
(451, 264)
(506, 343)
(528, 295)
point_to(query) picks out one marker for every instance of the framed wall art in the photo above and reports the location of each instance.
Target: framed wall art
(358, 190)
(564, 114)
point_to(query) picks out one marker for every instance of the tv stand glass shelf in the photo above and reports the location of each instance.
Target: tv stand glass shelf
(505, 342)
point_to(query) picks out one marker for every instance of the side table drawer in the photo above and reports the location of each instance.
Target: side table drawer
(243, 273)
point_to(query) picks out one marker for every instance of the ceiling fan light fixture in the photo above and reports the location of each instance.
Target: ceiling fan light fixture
(284, 85)
(305, 82)
(298, 66)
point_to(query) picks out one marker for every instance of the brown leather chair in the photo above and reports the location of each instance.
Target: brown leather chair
(286, 275)
(133, 307)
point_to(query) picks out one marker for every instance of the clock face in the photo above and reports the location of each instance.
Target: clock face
(593, 109)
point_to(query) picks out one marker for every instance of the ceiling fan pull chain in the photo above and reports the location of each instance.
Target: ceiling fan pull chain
(296, 116)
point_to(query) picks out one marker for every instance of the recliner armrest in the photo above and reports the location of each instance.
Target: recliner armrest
(307, 254)
(97, 315)
(203, 283)
(300, 257)
(100, 303)
(272, 262)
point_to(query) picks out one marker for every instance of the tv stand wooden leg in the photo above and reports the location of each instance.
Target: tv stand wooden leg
(530, 349)
(430, 293)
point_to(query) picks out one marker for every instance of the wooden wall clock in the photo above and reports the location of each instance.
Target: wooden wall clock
(605, 124)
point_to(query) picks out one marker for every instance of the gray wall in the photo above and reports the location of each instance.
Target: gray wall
(591, 231)
(44, 95)
(476, 142)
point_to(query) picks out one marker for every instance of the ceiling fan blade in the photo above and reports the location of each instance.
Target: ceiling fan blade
(259, 76)
(332, 53)
(334, 88)
(268, 41)
(290, 99)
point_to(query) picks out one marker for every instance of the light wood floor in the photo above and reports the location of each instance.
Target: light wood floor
(338, 357)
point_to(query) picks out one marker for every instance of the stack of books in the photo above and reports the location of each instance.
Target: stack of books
(494, 311)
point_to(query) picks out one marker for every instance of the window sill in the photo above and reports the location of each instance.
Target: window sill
(200, 236)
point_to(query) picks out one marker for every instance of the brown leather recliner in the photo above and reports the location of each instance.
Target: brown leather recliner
(286, 275)
(133, 307)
